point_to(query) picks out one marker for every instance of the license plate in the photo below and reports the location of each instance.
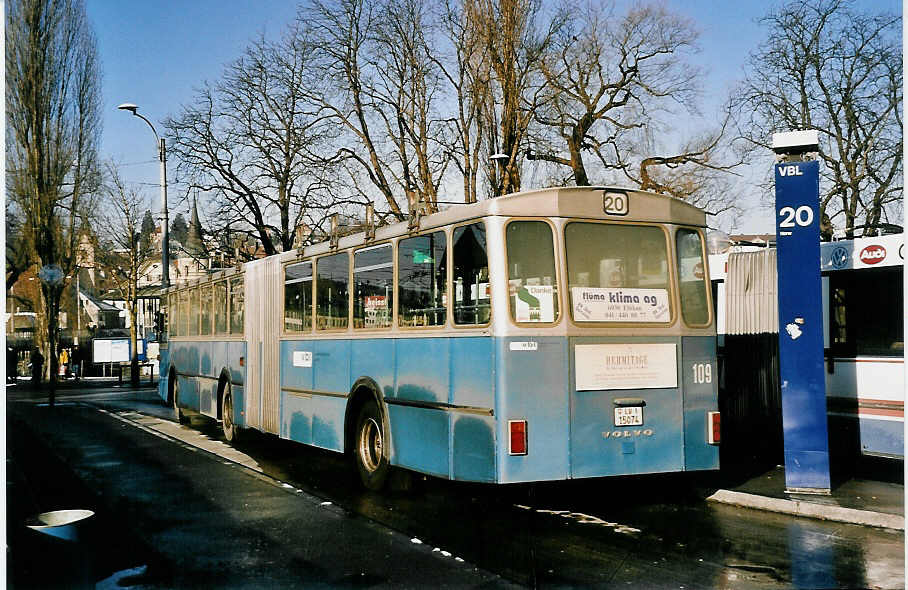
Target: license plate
(632, 416)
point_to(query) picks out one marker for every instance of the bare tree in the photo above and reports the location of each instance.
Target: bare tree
(467, 71)
(249, 140)
(53, 126)
(833, 66)
(515, 37)
(121, 229)
(381, 89)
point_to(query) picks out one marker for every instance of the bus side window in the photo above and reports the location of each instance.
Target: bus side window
(422, 280)
(184, 313)
(220, 307)
(298, 297)
(236, 305)
(332, 277)
(373, 287)
(471, 276)
(194, 305)
(173, 315)
(205, 296)
(532, 288)
(866, 311)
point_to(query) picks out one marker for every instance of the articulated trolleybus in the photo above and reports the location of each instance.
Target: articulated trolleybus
(547, 335)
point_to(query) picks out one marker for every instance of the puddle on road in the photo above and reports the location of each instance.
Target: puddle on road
(124, 579)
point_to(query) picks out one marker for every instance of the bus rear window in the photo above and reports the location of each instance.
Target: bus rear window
(617, 273)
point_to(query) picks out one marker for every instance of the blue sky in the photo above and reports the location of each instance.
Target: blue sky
(154, 54)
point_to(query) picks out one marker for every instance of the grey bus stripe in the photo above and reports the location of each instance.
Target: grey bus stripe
(441, 406)
(195, 376)
(298, 391)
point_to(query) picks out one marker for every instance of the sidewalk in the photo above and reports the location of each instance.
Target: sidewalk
(856, 501)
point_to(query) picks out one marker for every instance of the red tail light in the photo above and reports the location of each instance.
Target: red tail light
(518, 438)
(714, 421)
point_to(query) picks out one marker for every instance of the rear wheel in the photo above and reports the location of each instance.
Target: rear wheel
(228, 426)
(369, 451)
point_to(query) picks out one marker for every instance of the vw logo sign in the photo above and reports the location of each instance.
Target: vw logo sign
(839, 257)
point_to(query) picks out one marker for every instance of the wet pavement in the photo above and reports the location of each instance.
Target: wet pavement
(270, 512)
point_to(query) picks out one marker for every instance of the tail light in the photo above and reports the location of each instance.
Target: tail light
(518, 437)
(713, 421)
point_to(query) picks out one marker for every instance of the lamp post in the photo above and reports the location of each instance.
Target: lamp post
(162, 156)
(500, 163)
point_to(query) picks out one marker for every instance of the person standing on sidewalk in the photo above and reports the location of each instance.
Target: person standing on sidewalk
(37, 360)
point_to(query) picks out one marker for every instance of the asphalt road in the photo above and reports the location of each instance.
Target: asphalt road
(272, 513)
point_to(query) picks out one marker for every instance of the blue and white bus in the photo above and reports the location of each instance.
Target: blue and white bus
(546, 335)
(864, 314)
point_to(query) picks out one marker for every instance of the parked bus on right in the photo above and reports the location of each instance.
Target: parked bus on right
(863, 328)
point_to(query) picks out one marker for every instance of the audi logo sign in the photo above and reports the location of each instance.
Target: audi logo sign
(873, 254)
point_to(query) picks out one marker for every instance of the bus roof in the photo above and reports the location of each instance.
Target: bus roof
(573, 202)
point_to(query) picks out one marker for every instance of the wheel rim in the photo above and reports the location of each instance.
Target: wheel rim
(370, 445)
(228, 414)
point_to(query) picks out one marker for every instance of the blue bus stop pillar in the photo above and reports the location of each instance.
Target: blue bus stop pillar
(801, 328)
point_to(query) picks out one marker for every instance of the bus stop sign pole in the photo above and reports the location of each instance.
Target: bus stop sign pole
(802, 374)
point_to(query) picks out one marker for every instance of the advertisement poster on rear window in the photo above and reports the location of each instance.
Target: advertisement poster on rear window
(595, 304)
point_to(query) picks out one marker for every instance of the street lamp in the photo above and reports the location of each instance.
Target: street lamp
(500, 163)
(162, 155)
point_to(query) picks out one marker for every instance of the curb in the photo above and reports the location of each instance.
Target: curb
(810, 510)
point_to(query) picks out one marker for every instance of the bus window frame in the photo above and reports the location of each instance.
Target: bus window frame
(311, 330)
(451, 294)
(449, 314)
(316, 260)
(706, 280)
(352, 284)
(669, 252)
(558, 268)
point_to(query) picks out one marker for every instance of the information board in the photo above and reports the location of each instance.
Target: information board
(801, 327)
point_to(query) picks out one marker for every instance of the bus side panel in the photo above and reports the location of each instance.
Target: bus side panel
(373, 359)
(700, 396)
(296, 406)
(419, 436)
(420, 439)
(331, 375)
(164, 374)
(236, 350)
(472, 434)
(865, 396)
(532, 385)
(185, 357)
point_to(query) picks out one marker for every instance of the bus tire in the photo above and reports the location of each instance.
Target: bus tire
(228, 426)
(369, 448)
(181, 417)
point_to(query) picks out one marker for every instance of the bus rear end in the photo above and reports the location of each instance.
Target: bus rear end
(624, 380)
